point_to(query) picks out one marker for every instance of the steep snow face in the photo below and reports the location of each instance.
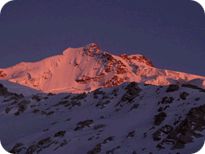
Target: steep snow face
(87, 68)
(127, 119)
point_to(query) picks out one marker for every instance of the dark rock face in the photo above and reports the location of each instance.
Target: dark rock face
(97, 148)
(22, 106)
(185, 132)
(83, 124)
(172, 88)
(60, 134)
(166, 100)
(132, 91)
(40, 145)
(131, 134)
(159, 118)
(3, 90)
(17, 148)
(158, 135)
(184, 95)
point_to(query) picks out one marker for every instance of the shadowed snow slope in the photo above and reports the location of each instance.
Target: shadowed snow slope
(87, 68)
(128, 119)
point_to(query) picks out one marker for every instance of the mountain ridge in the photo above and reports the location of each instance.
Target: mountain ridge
(88, 68)
(109, 104)
(129, 118)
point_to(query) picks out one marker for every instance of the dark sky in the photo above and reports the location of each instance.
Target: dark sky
(170, 32)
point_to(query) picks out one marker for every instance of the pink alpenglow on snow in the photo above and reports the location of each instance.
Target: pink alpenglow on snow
(88, 68)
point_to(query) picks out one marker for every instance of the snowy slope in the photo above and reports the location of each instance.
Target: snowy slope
(130, 118)
(19, 89)
(87, 68)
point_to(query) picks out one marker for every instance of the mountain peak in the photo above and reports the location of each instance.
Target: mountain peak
(92, 49)
(88, 68)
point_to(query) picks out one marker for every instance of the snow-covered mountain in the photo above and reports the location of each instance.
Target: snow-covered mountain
(127, 119)
(87, 68)
(87, 101)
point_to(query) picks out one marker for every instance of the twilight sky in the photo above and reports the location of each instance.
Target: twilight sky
(170, 32)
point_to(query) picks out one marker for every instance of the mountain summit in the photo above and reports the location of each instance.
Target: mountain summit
(87, 68)
(156, 111)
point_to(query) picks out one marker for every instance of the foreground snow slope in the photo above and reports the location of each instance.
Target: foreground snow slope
(87, 68)
(127, 119)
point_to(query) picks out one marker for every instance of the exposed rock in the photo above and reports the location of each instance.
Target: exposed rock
(132, 91)
(184, 95)
(60, 134)
(131, 134)
(92, 49)
(172, 88)
(159, 118)
(3, 91)
(83, 124)
(187, 129)
(2, 74)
